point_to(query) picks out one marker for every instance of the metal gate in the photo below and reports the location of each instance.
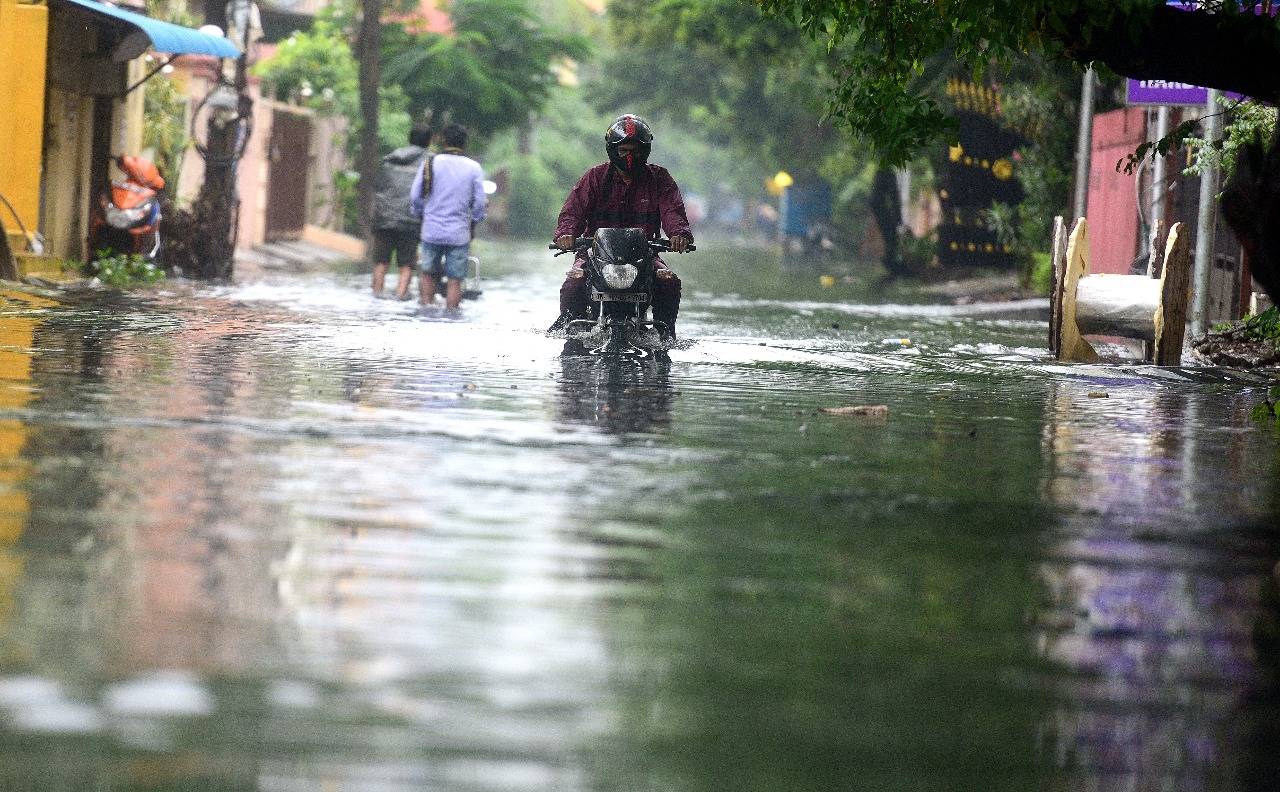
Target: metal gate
(290, 163)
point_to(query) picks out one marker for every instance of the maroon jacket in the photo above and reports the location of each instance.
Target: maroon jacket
(601, 199)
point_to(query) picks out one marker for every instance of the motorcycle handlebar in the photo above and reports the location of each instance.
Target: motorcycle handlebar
(582, 243)
(664, 246)
(579, 244)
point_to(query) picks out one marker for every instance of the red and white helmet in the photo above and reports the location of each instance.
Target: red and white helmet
(625, 128)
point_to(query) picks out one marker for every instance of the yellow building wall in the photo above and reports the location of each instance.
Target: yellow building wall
(17, 336)
(24, 29)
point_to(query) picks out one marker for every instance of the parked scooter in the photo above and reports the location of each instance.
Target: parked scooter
(471, 289)
(126, 219)
(620, 267)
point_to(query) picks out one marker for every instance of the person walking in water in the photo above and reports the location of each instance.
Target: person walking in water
(395, 228)
(448, 194)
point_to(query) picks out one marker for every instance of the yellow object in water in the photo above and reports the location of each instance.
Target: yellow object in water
(827, 281)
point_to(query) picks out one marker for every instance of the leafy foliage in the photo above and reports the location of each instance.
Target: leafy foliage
(123, 271)
(541, 163)
(1264, 326)
(315, 69)
(165, 108)
(174, 11)
(1181, 135)
(1247, 122)
(883, 47)
(1268, 410)
(754, 83)
(489, 74)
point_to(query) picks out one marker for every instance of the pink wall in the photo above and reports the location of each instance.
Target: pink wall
(1113, 197)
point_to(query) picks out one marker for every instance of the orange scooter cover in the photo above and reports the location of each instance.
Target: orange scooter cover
(142, 171)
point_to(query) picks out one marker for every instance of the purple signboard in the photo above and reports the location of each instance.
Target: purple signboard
(1167, 92)
(1164, 92)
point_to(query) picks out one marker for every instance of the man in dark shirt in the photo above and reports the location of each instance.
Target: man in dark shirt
(395, 228)
(625, 192)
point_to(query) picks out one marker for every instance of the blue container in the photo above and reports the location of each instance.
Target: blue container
(804, 205)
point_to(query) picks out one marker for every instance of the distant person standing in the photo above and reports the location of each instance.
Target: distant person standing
(395, 227)
(448, 194)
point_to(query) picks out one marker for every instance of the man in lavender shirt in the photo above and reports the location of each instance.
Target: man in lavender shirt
(450, 200)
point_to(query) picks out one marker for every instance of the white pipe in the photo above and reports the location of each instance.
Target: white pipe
(903, 176)
(1158, 170)
(1207, 214)
(1084, 142)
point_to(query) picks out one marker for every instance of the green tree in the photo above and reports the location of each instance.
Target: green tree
(493, 71)
(317, 69)
(314, 68)
(882, 45)
(368, 55)
(753, 82)
(542, 161)
(165, 108)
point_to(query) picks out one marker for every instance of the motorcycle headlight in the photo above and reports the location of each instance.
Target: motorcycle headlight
(619, 276)
(123, 218)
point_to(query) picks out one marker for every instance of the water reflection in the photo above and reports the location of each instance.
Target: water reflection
(16, 391)
(616, 394)
(1159, 589)
(287, 538)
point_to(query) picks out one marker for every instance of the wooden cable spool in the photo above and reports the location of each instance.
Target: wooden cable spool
(1132, 306)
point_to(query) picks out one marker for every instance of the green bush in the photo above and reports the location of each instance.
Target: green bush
(1040, 275)
(535, 199)
(1268, 412)
(123, 271)
(916, 254)
(1264, 326)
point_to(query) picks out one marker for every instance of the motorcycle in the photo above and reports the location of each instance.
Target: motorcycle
(126, 219)
(620, 268)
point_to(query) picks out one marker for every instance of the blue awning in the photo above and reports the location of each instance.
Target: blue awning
(143, 31)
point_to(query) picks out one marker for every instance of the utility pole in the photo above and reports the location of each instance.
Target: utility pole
(1205, 220)
(368, 55)
(1084, 143)
(1158, 171)
(230, 108)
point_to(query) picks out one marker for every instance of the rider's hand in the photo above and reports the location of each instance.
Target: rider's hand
(679, 242)
(565, 241)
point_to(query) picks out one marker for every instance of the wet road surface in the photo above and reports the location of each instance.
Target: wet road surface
(282, 536)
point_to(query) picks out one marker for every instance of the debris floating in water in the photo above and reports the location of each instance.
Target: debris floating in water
(1099, 395)
(868, 410)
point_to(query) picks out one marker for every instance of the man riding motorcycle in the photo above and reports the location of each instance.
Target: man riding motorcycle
(625, 192)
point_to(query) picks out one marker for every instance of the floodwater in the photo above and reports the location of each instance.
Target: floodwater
(281, 536)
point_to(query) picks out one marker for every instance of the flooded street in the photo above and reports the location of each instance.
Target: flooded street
(283, 536)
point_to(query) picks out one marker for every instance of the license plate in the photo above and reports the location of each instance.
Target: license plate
(631, 297)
